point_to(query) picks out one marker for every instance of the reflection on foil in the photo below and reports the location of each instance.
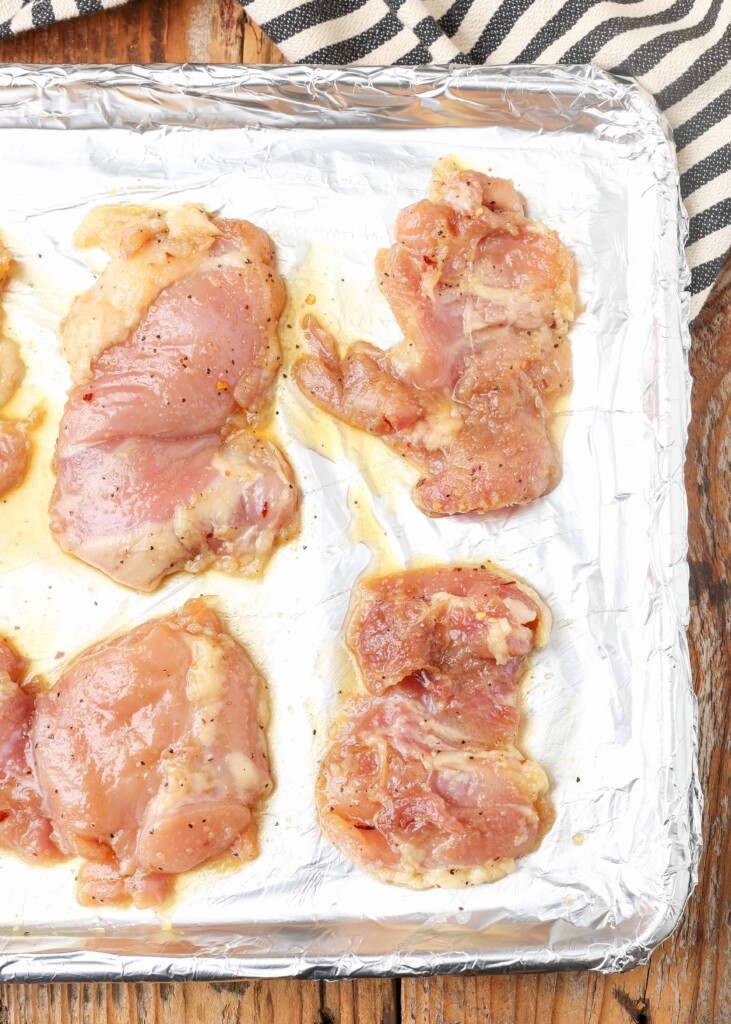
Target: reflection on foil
(608, 705)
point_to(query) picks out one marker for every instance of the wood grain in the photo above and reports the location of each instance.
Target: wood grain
(258, 47)
(243, 1002)
(688, 980)
(144, 31)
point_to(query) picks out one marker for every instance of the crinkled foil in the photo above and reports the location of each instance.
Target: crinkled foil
(323, 159)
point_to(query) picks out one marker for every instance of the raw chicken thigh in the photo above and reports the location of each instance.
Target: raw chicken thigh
(14, 441)
(174, 353)
(424, 785)
(484, 297)
(15, 452)
(148, 757)
(24, 828)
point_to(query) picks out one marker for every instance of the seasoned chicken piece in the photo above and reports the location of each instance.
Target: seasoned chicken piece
(24, 828)
(415, 804)
(423, 619)
(484, 297)
(15, 447)
(150, 755)
(424, 785)
(12, 370)
(15, 451)
(175, 353)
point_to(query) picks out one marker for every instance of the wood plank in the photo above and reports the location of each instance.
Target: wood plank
(242, 1002)
(258, 47)
(529, 999)
(142, 31)
(205, 31)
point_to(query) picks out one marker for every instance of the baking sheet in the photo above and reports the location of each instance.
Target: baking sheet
(607, 707)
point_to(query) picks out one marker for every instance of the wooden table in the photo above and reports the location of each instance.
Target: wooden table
(687, 980)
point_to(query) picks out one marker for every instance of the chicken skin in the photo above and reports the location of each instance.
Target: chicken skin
(484, 297)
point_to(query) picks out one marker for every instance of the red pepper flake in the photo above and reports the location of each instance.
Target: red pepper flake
(265, 510)
(88, 396)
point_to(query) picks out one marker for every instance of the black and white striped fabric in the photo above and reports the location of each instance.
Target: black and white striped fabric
(680, 50)
(20, 15)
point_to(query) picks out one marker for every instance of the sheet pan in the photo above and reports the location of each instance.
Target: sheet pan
(323, 159)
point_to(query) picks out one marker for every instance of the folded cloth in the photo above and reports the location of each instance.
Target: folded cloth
(680, 50)
(20, 15)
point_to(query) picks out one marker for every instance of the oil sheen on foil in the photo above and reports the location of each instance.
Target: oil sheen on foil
(323, 160)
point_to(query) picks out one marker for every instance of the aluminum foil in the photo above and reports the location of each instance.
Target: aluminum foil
(323, 159)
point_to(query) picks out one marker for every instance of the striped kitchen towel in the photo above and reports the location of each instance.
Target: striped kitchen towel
(20, 15)
(680, 50)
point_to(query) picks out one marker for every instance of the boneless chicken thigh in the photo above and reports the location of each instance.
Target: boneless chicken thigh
(174, 353)
(24, 827)
(423, 784)
(146, 758)
(14, 441)
(484, 297)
